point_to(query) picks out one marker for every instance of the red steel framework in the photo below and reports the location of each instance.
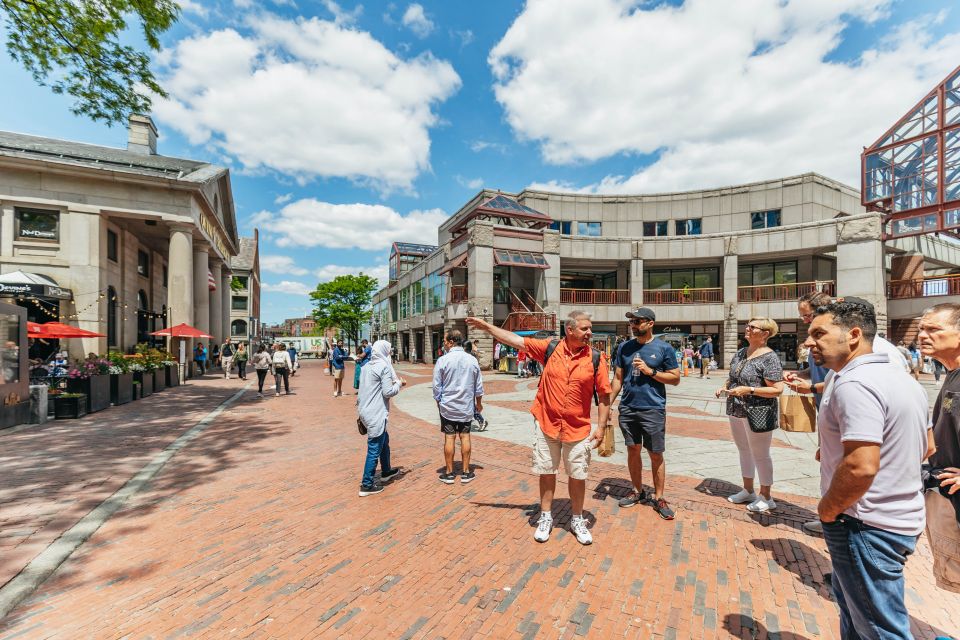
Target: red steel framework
(911, 174)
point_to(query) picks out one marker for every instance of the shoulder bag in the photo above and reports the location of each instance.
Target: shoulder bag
(760, 417)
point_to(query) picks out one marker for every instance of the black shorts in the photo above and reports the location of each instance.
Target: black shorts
(647, 427)
(452, 427)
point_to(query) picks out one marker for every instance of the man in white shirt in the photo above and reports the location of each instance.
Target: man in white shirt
(458, 390)
(873, 439)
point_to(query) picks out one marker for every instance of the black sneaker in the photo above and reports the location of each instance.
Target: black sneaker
(634, 498)
(369, 490)
(387, 476)
(467, 477)
(663, 509)
(447, 478)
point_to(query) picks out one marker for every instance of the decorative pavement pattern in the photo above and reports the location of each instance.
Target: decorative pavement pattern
(253, 529)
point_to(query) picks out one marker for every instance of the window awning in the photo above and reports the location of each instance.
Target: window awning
(19, 283)
(457, 262)
(510, 258)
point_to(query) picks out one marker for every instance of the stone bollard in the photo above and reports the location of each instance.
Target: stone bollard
(38, 403)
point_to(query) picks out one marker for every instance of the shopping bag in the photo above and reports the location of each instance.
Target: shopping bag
(798, 413)
(608, 446)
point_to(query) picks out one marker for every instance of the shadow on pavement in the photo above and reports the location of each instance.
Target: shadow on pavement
(747, 628)
(787, 513)
(561, 511)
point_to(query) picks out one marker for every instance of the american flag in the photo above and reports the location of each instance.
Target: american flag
(211, 282)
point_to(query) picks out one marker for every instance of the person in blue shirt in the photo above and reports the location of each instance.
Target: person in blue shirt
(706, 354)
(337, 363)
(643, 367)
(458, 390)
(292, 351)
(363, 357)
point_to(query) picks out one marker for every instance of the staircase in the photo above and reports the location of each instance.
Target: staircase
(527, 315)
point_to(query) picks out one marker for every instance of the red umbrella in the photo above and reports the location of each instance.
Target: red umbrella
(60, 330)
(182, 330)
(33, 330)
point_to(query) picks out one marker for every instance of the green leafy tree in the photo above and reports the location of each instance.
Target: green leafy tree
(74, 46)
(344, 302)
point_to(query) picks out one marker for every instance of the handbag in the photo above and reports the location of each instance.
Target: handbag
(362, 428)
(608, 446)
(760, 417)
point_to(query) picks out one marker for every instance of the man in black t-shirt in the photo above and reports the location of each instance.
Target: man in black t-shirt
(939, 338)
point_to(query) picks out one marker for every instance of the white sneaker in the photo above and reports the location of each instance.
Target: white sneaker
(544, 525)
(813, 527)
(762, 505)
(742, 497)
(579, 528)
(334, 394)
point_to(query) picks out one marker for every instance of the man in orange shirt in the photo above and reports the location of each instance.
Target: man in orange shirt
(561, 413)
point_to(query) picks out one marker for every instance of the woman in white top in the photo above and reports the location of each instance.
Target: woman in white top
(261, 364)
(282, 367)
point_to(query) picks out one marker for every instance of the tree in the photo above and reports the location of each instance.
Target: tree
(74, 47)
(344, 302)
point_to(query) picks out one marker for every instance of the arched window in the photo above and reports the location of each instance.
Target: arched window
(238, 328)
(143, 318)
(112, 318)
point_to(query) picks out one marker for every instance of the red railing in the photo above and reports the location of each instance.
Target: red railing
(925, 288)
(594, 296)
(683, 296)
(530, 321)
(783, 292)
(458, 293)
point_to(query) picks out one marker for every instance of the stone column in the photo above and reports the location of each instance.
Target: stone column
(412, 345)
(180, 286)
(226, 277)
(428, 355)
(860, 267)
(480, 286)
(201, 286)
(636, 276)
(731, 305)
(216, 303)
(548, 288)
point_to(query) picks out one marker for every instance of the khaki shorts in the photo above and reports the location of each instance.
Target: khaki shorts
(338, 374)
(943, 532)
(547, 453)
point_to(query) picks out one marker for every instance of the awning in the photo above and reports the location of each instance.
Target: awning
(19, 283)
(510, 258)
(456, 263)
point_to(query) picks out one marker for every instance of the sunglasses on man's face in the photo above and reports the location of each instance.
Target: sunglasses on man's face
(639, 320)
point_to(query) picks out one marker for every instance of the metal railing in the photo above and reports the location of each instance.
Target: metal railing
(594, 296)
(530, 321)
(683, 296)
(458, 293)
(783, 292)
(925, 288)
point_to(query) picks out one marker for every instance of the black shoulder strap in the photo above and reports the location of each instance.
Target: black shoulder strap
(550, 349)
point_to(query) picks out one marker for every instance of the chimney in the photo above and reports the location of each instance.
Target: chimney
(142, 135)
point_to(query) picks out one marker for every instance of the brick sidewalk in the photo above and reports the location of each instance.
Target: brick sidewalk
(256, 530)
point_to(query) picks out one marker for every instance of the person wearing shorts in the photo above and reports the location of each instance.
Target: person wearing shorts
(337, 363)
(458, 390)
(562, 431)
(642, 369)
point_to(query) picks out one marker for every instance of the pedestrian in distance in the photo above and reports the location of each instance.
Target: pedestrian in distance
(378, 383)
(642, 368)
(281, 367)
(262, 363)
(337, 363)
(214, 356)
(294, 364)
(357, 355)
(753, 386)
(939, 338)
(706, 354)
(241, 359)
(200, 358)
(574, 374)
(873, 439)
(458, 390)
(227, 352)
(364, 353)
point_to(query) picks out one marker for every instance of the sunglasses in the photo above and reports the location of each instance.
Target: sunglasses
(753, 327)
(639, 320)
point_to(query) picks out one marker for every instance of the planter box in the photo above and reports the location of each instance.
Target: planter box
(145, 378)
(173, 375)
(159, 380)
(13, 414)
(65, 408)
(135, 390)
(121, 388)
(96, 388)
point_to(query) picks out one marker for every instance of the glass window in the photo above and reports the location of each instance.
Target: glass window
(562, 227)
(655, 228)
(706, 278)
(762, 274)
(112, 250)
(689, 227)
(773, 218)
(143, 264)
(745, 275)
(238, 328)
(501, 285)
(242, 281)
(681, 278)
(765, 219)
(239, 303)
(38, 224)
(757, 220)
(757, 275)
(588, 229)
(785, 272)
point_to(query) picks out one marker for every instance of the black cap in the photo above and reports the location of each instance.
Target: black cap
(642, 312)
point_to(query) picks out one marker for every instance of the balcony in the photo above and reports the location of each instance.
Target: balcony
(783, 292)
(595, 296)
(458, 293)
(683, 296)
(925, 288)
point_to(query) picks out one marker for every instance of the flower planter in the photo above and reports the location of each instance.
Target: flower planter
(173, 375)
(159, 380)
(145, 378)
(135, 390)
(96, 388)
(70, 407)
(121, 388)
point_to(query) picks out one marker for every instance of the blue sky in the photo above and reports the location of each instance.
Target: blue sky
(349, 125)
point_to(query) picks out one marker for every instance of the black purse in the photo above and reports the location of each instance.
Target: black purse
(762, 417)
(362, 428)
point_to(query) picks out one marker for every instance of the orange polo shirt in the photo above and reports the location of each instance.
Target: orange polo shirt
(562, 405)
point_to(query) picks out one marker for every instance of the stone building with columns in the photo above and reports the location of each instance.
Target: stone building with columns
(141, 240)
(705, 261)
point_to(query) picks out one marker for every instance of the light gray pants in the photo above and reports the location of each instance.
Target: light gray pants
(754, 450)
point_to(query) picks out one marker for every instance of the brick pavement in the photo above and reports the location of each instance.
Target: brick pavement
(256, 530)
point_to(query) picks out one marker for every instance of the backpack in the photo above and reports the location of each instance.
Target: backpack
(596, 365)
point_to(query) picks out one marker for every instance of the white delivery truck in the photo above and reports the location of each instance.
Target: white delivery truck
(307, 347)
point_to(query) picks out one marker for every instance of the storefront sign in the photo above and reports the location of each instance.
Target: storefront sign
(44, 234)
(213, 234)
(38, 290)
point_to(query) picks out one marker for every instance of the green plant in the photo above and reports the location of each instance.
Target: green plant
(71, 395)
(119, 361)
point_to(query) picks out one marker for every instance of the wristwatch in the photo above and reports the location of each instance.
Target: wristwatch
(753, 390)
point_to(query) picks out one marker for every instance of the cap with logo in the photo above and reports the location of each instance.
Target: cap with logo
(642, 312)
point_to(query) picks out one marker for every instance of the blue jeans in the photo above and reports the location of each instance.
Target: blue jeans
(868, 579)
(377, 449)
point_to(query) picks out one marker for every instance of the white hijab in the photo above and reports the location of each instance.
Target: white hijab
(380, 353)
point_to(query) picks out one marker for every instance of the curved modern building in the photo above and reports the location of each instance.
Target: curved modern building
(705, 261)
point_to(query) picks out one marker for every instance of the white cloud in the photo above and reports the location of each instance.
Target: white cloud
(331, 271)
(465, 37)
(342, 16)
(191, 6)
(718, 92)
(281, 264)
(482, 145)
(290, 287)
(469, 183)
(283, 199)
(306, 98)
(417, 21)
(312, 223)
